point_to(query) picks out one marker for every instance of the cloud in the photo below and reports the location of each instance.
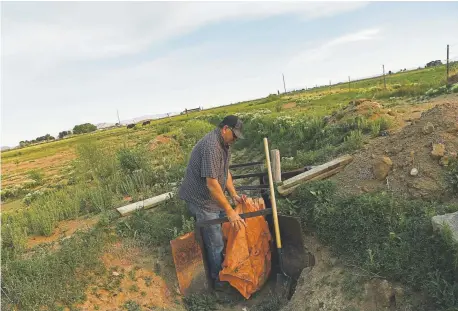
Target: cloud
(111, 29)
(327, 49)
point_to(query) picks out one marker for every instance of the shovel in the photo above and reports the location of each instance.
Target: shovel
(283, 283)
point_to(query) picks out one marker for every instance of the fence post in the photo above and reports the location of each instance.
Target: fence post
(276, 166)
(349, 83)
(446, 81)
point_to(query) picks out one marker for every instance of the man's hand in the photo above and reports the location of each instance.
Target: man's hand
(235, 220)
(237, 199)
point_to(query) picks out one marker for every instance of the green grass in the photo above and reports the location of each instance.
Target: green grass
(52, 279)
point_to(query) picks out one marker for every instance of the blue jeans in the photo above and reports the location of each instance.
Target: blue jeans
(213, 238)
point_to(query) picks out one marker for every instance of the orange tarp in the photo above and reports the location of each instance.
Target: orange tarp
(247, 262)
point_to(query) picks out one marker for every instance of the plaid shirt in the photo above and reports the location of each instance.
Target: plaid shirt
(209, 158)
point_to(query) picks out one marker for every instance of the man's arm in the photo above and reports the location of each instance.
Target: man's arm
(217, 194)
(230, 185)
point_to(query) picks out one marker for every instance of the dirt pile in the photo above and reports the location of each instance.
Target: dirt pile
(409, 162)
(159, 140)
(362, 107)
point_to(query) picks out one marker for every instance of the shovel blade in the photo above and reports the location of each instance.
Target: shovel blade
(283, 286)
(189, 264)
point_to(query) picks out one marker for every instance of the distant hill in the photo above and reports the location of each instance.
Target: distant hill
(148, 117)
(4, 148)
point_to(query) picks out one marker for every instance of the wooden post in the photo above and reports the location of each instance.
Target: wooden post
(276, 166)
(349, 83)
(284, 84)
(446, 81)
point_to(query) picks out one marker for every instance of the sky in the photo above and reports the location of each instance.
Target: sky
(67, 63)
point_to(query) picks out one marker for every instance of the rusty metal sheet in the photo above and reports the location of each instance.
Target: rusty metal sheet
(189, 264)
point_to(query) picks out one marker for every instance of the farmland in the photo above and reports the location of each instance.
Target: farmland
(60, 226)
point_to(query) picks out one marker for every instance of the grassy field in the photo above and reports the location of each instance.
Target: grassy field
(98, 171)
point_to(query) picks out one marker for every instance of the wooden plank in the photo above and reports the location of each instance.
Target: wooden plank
(287, 191)
(317, 170)
(148, 203)
(276, 167)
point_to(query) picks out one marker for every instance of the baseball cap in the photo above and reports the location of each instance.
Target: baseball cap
(235, 124)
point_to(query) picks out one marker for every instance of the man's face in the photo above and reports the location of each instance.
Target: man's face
(228, 135)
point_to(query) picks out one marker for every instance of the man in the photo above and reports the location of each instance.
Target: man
(207, 176)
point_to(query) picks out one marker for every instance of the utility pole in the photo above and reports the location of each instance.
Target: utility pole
(284, 85)
(119, 121)
(447, 64)
(384, 80)
(329, 85)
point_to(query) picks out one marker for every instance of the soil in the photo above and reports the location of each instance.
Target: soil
(159, 140)
(289, 105)
(408, 148)
(14, 174)
(131, 281)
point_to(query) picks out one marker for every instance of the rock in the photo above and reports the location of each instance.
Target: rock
(428, 128)
(115, 273)
(444, 161)
(451, 220)
(381, 167)
(414, 172)
(391, 113)
(438, 151)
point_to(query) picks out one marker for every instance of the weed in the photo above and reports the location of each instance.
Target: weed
(132, 275)
(131, 305)
(133, 288)
(200, 302)
(36, 175)
(148, 280)
(452, 176)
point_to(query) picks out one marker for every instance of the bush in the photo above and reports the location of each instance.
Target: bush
(452, 176)
(84, 128)
(36, 175)
(132, 159)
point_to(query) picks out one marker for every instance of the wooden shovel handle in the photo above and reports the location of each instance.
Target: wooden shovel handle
(272, 195)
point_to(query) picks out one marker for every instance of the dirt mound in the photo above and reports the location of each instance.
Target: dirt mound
(362, 107)
(418, 154)
(159, 140)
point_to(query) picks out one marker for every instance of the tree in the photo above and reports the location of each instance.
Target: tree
(64, 133)
(84, 128)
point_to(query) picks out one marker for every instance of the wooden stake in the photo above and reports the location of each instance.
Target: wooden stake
(276, 166)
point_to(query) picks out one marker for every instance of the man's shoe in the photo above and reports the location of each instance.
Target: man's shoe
(222, 286)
